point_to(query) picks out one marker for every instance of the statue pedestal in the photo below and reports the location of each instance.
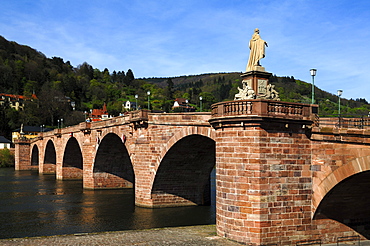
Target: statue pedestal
(257, 80)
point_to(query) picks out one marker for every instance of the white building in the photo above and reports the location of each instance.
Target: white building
(130, 105)
(4, 143)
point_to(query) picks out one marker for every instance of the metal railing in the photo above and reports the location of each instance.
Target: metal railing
(343, 121)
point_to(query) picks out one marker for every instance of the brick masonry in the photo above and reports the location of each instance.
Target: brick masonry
(274, 176)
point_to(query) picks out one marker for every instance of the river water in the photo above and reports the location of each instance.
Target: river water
(39, 205)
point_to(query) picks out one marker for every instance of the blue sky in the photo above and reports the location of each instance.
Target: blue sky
(158, 38)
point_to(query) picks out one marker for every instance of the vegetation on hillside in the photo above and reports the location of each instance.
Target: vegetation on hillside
(56, 83)
(6, 158)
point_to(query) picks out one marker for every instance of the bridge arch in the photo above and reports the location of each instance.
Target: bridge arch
(50, 158)
(184, 132)
(343, 196)
(72, 165)
(112, 167)
(35, 155)
(183, 175)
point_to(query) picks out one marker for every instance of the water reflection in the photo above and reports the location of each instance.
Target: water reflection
(38, 205)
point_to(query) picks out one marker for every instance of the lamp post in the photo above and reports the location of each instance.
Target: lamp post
(73, 104)
(58, 123)
(148, 92)
(136, 97)
(339, 93)
(200, 102)
(61, 123)
(313, 74)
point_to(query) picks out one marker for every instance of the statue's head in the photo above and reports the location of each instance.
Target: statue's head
(256, 30)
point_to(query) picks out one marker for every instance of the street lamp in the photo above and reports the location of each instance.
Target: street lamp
(73, 104)
(61, 123)
(187, 107)
(148, 92)
(339, 93)
(313, 74)
(136, 97)
(200, 102)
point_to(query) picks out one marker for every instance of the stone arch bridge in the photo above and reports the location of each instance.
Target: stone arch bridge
(282, 175)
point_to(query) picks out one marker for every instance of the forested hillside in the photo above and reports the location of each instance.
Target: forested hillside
(55, 82)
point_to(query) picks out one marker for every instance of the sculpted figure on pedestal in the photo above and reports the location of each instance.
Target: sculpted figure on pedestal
(257, 51)
(245, 93)
(271, 94)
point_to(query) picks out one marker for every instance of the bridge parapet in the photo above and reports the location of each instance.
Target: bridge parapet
(139, 115)
(344, 135)
(264, 108)
(344, 121)
(189, 118)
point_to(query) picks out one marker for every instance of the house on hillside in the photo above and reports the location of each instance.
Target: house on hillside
(28, 132)
(99, 114)
(5, 143)
(182, 105)
(15, 101)
(130, 105)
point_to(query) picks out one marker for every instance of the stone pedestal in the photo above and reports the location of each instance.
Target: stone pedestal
(257, 80)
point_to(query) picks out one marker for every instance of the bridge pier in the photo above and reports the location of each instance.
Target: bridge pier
(48, 168)
(264, 177)
(69, 173)
(23, 155)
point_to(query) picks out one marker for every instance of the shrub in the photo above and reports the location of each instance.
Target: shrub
(6, 158)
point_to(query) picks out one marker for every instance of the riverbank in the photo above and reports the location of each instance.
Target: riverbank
(179, 236)
(204, 235)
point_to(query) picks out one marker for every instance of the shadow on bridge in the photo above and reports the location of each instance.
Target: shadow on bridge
(112, 166)
(348, 203)
(50, 159)
(72, 167)
(35, 156)
(183, 176)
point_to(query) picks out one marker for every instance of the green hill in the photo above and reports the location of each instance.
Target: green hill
(24, 71)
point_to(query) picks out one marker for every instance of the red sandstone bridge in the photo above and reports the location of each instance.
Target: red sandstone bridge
(282, 177)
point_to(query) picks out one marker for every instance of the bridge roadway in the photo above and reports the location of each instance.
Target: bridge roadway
(281, 175)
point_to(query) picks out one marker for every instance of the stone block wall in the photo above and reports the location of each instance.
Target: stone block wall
(264, 185)
(23, 155)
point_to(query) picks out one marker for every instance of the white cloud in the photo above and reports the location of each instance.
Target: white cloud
(171, 38)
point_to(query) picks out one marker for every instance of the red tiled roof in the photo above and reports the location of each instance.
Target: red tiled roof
(96, 114)
(17, 97)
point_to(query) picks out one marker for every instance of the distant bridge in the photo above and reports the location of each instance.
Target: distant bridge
(282, 175)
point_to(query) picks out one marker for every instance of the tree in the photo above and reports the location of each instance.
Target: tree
(169, 89)
(6, 158)
(85, 70)
(53, 105)
(129, 77)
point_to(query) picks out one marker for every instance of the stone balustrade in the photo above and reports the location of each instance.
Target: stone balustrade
(264, 108)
